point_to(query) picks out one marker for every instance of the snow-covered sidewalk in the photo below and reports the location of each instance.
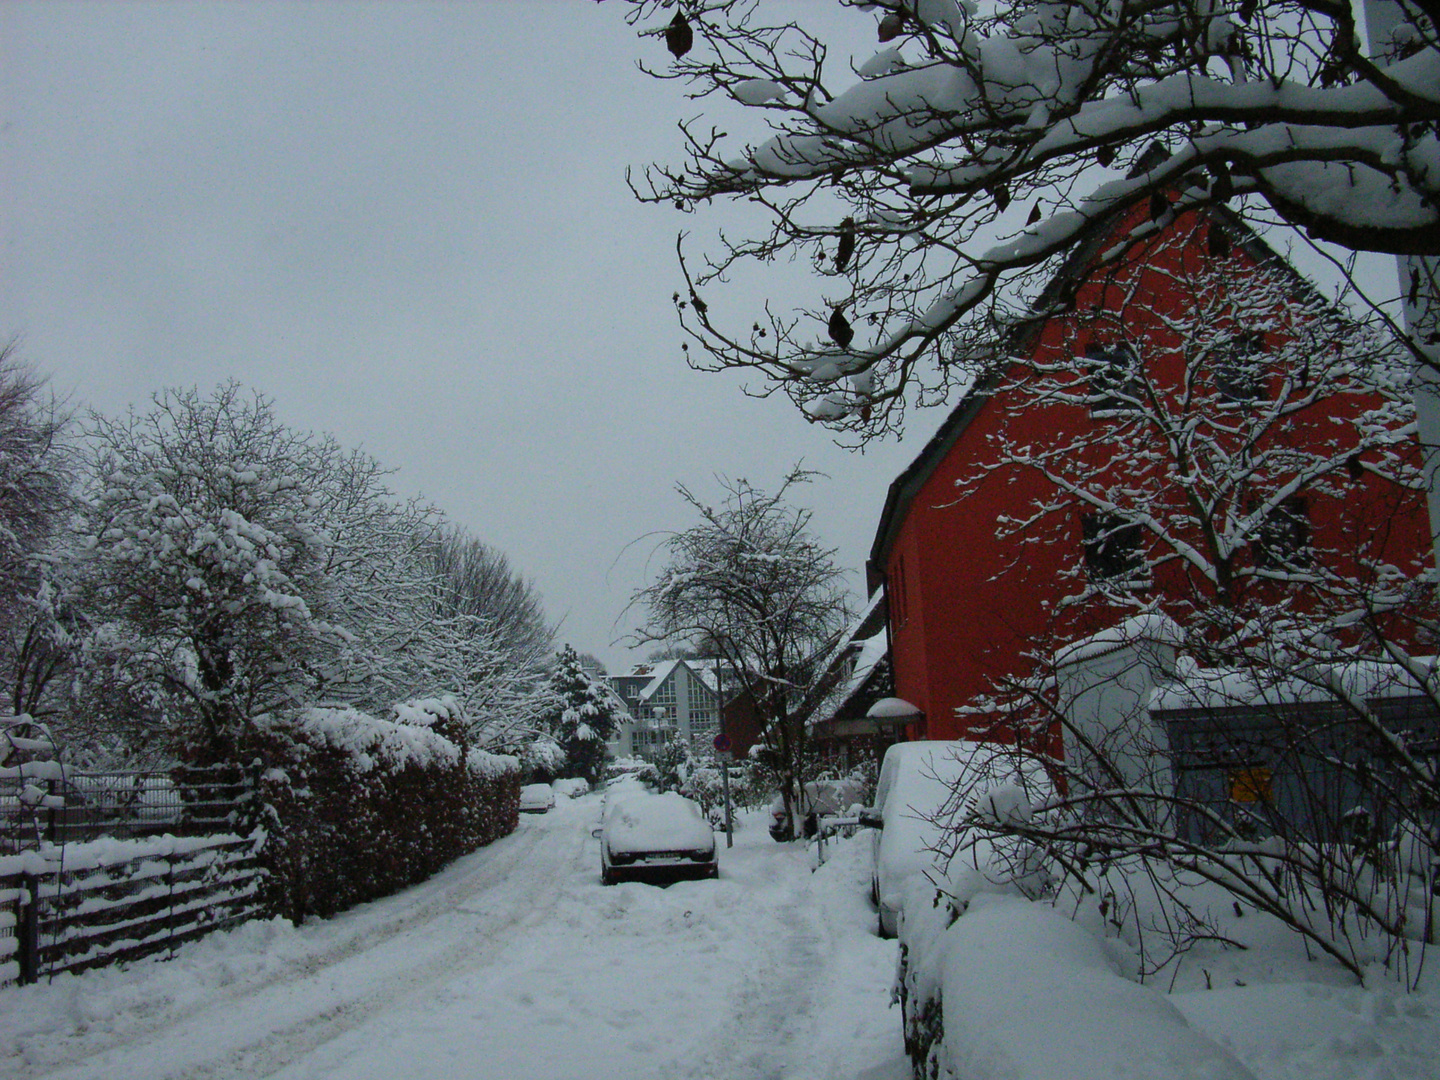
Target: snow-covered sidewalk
(513, 962)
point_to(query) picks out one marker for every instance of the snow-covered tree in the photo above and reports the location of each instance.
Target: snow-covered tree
(583, 714)
(753, 583)
(477, 579)
(208, 559)
(37, 468)
(498, 620)
(943, 176)
(237, 565)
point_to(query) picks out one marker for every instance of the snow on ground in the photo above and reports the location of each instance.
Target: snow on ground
(513, 962)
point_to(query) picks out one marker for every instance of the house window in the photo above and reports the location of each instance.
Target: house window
(1239, 370)
(1114, 375)
(1112, 548)
(1283, 540)
(897, 594)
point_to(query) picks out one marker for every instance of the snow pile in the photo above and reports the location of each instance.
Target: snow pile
(1027, 993)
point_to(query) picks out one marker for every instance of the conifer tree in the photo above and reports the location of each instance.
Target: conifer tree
(584, 715)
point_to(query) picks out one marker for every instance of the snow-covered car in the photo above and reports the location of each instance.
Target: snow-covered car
(820, 797)
(913, 797)
(572, 787)
(536, 798)
(655, 838)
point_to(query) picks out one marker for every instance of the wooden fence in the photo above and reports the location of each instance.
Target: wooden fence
(83, 905)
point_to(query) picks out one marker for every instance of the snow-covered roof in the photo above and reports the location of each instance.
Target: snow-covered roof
(868, 653)
(1021, 339)
(892, 708)
(1368, 680)
(662, 672)
(709, 672)
(1151, 628)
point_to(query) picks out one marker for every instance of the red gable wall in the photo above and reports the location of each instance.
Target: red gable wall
(965, 605)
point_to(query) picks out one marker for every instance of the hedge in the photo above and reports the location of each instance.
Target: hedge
(360, 807)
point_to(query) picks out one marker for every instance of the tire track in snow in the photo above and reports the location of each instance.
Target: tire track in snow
(516, 878)
(772, 1023)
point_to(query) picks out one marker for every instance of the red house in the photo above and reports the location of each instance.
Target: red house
(993, 543)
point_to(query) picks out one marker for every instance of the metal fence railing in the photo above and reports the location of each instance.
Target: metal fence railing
(76, 805)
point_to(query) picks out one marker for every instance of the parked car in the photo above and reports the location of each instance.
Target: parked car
(536, 798)
(914, 797)
(571, 787)
(819, 797)
(655, 838)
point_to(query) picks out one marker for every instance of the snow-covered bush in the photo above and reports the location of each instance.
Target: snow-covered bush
(359, 806)
(543, 760)
(634, 768)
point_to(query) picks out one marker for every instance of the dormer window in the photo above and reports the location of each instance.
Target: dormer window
(1112, 549)
(1114, 375)
(1239, 370)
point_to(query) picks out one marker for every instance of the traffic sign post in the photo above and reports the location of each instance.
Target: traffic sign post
(723, 754)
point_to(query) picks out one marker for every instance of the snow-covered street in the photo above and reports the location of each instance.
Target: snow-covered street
(513, 962)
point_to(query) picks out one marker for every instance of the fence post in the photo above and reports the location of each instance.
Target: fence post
(27, 927)
(170, 901)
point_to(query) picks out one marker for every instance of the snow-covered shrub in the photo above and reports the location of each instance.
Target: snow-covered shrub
(543, 759)
(638, 768)
(360, 807)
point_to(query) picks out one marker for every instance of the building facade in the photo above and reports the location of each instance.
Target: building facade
(970, 597)
(669, 700)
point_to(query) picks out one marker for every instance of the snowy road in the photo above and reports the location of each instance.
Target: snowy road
(515, 962)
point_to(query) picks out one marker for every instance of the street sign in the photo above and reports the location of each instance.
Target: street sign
(722, 743)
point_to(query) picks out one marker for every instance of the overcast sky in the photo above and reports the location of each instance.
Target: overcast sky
(408, 225)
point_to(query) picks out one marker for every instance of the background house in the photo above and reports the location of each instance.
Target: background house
(969, 602)
(857, 674)
(669, 700)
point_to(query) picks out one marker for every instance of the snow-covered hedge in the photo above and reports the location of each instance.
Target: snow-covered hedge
(360, 806)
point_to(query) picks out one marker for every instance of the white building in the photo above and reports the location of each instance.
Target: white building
(667, 700)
